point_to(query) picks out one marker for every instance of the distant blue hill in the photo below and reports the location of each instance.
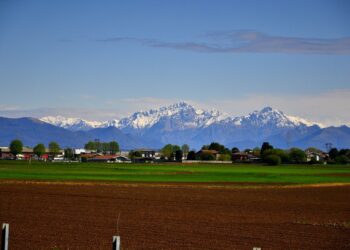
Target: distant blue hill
(178, 124)
(32, 131)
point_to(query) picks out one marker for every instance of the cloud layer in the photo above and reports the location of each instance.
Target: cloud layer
(246, 41)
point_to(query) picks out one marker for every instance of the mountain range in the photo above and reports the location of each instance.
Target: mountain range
(178, 124)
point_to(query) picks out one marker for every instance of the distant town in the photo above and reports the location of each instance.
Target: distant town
(96, 151)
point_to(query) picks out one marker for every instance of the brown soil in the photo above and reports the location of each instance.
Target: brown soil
(76, 216)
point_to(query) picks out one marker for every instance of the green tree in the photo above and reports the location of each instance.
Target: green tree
(54, 148)
(284, 156)
(105, 147)
(273, 160)
(16, 147)
(191, 156)
(207, 157)
(91, 145)
(333, 153)
(168, 151)
(39, 150)
(113, 147)
(256, 151)
(218, 147)
(178, 155)
(297, 155)
(342, 159)
(98, 146)
(185, 149)
(235, 150)
(265, 146)
(225, 157)
(69, 153)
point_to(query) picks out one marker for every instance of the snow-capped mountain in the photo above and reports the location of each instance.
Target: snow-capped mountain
(182, 123)
(185, 115)
(182, 116)
(73, 124)
(271, 117)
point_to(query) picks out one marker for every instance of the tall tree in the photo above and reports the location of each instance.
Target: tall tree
(39, 150)
(113, 147)
(169, 150)
(218, 147)
(69, 153)
(105, 147)
(333, 153)
(16, 147)
(191, 155)
(265, 146)
(54, 148)
(297, 155)
(234, 150)
(185, 149)
(178, 155)
(91, 145)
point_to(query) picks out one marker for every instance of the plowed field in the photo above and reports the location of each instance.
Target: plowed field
(179, 216)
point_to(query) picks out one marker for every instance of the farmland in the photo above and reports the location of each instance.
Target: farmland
(190, 173)
(174, 206)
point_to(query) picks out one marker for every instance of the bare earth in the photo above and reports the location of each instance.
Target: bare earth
(73, 216)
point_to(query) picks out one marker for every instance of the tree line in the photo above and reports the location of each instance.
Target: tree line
(16, 148)
(103, 147)
(266, 153)
(172, 152)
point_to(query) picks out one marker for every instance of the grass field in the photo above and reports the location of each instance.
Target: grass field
(285, 174)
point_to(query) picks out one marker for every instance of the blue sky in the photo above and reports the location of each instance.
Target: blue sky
(105, 59)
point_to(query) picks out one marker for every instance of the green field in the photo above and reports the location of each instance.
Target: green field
(236, 173)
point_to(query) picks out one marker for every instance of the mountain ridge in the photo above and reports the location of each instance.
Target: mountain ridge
(179, 123)
(146, 119)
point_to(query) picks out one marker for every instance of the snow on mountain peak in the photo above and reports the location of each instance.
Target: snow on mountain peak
(182, 115)
(182, 112)
(273, 117)
(70, 123)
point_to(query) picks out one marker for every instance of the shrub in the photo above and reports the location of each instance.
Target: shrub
(191, 155)
(297, 155)
(225, 157)
(207, 157)
(342, 159)
(273, 160)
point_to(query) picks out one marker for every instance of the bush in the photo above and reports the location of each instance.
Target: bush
(297, 155)
(342, 159)
(191, 156)
(178, 155)
(225, 157)
(207, 157)
(273, 160)
(278, 152)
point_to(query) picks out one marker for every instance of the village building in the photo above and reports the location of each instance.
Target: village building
(26, 154)
(244, 157)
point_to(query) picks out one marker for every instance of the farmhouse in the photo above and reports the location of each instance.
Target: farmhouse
(147, 153)
(244, 157)
(93, 157)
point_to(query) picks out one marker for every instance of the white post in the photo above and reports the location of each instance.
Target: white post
(256, 248)
(5, 236)
(116, 242)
